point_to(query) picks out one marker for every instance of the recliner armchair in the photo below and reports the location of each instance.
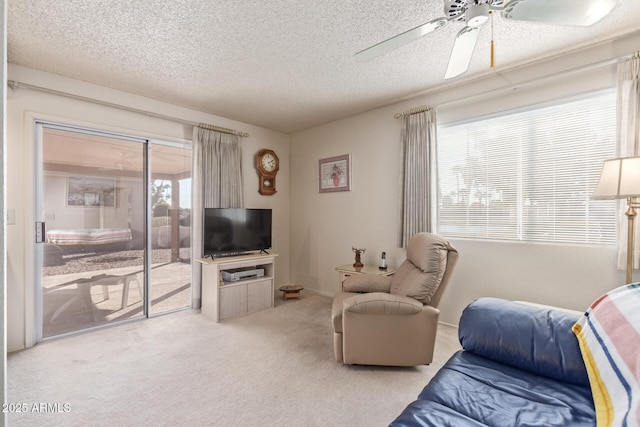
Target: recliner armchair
(392, 321)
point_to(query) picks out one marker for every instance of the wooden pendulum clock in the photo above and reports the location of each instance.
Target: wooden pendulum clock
(268, 165)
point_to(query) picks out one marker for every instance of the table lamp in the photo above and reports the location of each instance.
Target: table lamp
(620, 179)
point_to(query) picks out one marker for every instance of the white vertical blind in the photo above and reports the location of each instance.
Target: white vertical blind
(529, 175)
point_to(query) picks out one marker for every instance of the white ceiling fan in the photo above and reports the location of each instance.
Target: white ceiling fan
(476, 12)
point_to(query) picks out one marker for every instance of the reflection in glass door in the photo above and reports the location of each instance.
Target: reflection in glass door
(92, 198)
(170, 189)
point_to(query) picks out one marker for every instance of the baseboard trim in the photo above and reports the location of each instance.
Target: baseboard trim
(321, 293)
(17, 348)
(448, 324)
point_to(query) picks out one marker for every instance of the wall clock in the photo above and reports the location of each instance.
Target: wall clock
(268, 164)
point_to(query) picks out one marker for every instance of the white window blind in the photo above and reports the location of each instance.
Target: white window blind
(529, 175)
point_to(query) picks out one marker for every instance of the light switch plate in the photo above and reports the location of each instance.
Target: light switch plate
(11, 216)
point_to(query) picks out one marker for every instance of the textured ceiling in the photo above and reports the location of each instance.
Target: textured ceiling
(282, 64)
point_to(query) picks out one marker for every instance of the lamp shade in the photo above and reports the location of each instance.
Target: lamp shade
(620, 179)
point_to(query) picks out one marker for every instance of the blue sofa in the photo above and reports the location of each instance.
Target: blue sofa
(520, 366)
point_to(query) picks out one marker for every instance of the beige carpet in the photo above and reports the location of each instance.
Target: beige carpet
(272, 368)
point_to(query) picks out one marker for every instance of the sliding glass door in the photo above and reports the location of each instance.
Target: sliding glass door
(170, 227)
(114, 244)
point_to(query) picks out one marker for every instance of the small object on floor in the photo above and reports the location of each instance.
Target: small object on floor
(290, 291)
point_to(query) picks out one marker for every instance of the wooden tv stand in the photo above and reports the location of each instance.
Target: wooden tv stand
(223, 300)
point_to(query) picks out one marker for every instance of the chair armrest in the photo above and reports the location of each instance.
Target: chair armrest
(379, 303)
(367, 283)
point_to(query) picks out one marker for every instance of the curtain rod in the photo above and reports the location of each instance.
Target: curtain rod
(221, 129)
(415, 110)
(14, 85)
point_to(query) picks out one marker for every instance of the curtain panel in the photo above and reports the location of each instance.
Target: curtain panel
(628, 129)
(216, 183)
(418, 173)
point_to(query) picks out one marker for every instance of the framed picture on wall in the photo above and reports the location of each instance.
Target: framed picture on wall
(91, 191)
(334, 174)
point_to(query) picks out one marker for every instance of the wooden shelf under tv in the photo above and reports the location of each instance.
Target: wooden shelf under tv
(223, 300)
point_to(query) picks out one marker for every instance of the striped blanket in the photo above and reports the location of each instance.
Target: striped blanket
(609, 337)
(89, 236)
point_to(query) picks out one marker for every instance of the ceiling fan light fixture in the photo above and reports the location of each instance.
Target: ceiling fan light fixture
(599, 10)
(477, 14)
(582, 13)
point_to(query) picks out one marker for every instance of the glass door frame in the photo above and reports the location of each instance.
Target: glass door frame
(39, 125)
(149, 218)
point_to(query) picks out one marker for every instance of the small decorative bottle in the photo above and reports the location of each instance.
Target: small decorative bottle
(383, 261)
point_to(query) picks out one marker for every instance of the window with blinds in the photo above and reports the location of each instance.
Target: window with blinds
(529, 175)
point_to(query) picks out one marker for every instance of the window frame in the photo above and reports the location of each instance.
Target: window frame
(499, 119)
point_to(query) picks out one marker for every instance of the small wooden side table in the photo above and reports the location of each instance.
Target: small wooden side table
(290, 291)
(347, 270)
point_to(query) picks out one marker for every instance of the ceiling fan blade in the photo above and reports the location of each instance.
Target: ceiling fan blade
(400, 40)
(462, 50)
(566, 12)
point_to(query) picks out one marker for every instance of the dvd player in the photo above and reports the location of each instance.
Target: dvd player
(240, 274)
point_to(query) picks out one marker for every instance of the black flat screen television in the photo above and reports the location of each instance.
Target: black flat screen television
(236, 231)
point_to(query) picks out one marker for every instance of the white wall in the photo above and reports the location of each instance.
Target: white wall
(24, 105)
(325, 226)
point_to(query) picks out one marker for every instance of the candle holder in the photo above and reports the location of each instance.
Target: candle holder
(359, 252)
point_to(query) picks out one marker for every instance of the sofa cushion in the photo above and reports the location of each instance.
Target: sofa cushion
(471, 390)
(538, 340)
(420, 275)
(425, 413)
